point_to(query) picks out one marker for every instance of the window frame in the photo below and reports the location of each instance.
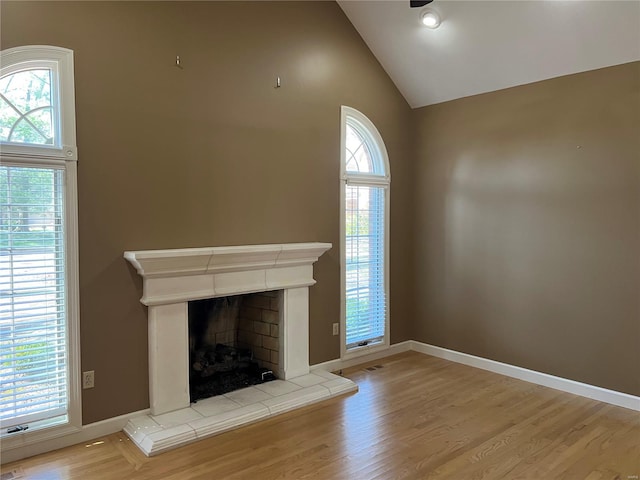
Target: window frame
(60, 61)
(372, 137)
(61, 155)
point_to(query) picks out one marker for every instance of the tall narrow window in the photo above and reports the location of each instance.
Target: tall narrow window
(38, 246)
(365, 226)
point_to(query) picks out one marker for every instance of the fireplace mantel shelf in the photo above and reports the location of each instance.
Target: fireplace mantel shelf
(197, 261)
(176, 275)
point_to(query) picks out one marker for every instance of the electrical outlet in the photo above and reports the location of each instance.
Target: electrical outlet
(87, 379)
(336, 328)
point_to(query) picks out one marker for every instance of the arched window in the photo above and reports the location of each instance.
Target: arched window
(39, 364)
(365, 234)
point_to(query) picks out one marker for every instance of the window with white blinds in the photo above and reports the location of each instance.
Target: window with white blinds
(39, 351)
(33, 358)
(365, 176)
(365, 273)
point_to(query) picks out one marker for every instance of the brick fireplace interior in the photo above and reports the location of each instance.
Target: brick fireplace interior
(234, 342)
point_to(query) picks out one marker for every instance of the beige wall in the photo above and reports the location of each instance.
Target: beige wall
(527, 231)
(210, 155)
(507, 240)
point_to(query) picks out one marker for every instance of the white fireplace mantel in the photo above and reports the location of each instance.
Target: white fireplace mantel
(185, 274)
(172, 278)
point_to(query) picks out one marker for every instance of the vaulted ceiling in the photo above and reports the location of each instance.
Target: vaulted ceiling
(482, 46)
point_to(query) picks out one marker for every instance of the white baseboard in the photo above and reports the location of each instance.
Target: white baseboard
(577, 388)
(34, 446)
(571, 386)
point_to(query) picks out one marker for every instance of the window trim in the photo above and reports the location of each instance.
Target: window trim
(60, 60)
(352, 178)
(65, 156)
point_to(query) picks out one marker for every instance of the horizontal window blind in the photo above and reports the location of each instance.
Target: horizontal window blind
(33, 359)
(365, 265)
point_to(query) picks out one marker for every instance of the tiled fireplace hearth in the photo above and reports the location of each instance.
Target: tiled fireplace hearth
(173, 278)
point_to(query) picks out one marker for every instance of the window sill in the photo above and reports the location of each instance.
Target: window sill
(365, 350)
(38, 432)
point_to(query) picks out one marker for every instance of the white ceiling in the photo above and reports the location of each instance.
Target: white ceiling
(482, 46)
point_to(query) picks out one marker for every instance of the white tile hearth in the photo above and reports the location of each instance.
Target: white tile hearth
(278, 387)
(207, 426)
(214, 405)
(248, 396)
(177, 417)
(337, 386)
(323, 373)
(308, 380)
(297, 399)
(156, 434)
(142, 427)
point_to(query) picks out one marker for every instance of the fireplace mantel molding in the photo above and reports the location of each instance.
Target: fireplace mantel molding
(185, 274)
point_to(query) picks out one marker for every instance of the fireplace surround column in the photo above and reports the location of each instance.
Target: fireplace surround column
(294, 340)
(168, 357)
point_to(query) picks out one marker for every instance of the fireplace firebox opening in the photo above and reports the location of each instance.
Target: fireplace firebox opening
(234, 342)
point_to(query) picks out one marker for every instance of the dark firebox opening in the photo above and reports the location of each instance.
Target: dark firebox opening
(218, 363)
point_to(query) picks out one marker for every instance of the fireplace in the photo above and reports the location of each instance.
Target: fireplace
(234, 342)
(174, 278)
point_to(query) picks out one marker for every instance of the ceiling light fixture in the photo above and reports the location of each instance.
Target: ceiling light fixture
(430, 18)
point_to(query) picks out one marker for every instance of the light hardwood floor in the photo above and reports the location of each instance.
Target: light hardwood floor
(415, 417)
